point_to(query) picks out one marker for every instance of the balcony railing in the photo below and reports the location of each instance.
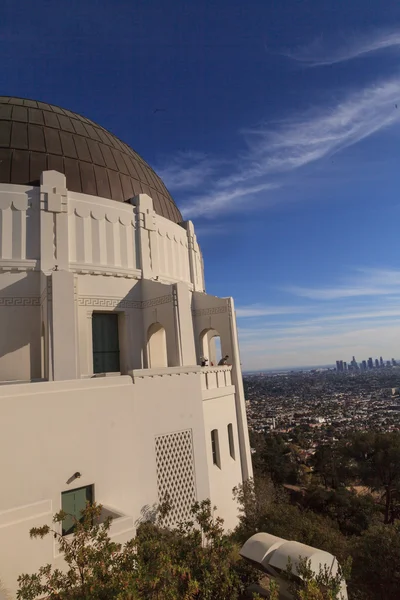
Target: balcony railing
(212, 378)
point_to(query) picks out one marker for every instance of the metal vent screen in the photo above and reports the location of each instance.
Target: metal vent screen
(175, 474)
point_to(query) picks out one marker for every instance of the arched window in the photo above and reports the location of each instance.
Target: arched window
(157, 346)
(210, 346)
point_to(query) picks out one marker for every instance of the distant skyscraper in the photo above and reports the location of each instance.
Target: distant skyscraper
(394, 363)
(364, 365)
(388, 363)
(377, 363)
(339, 366)
(345, 366)
(370, 363)
(381, 362)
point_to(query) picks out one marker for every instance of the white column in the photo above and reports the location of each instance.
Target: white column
(184, 325)
(65, 347)
(195, 277)
(146, 231)
(237, 380)
(62, 347)
(53, 221)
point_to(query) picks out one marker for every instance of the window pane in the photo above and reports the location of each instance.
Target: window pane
(74, 502)
(215, 448)
(105, 343)
(231, 441)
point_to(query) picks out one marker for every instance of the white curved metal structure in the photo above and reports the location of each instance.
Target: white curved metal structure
(272, 555)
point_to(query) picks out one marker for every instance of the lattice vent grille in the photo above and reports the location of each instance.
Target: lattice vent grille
(175, 474)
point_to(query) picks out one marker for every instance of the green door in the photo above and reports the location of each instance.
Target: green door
(73, 502)
(105, 343)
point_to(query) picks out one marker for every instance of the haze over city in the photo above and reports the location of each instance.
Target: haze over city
(277, 136)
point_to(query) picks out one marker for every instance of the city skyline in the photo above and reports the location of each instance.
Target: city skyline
(364, 364)
(277, 136)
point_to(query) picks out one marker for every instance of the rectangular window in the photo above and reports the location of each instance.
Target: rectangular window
(215, 448)
(231, 441)
(105, 343)
(73, 503)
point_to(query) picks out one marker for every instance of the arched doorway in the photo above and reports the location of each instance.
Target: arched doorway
(210, 346)
(156, 346)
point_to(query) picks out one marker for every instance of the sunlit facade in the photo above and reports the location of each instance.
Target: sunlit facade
(104, 321)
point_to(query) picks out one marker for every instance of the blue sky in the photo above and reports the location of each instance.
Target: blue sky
(280, 139)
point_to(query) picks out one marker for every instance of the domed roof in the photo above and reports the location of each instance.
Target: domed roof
(36, 137)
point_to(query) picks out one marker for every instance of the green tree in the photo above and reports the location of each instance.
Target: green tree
(376, 459)
(376, 563)
(353, 512)
(96, 565)
(278, 461)
(265, 508)
(329, 464)
(194, 561)
(307, 585)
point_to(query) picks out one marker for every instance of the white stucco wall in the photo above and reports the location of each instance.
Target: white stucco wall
(218, 413)
(109, 247)
(104, 428)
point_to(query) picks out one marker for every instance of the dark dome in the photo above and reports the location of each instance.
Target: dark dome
(36, 137)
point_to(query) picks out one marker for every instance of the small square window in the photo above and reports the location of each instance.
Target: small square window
(73, 502)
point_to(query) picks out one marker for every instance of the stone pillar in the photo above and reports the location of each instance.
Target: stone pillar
(64, 334)
(58, 284)
(195, 277)
(237, 380)
(146, 221)
(53, 221)
(184, 325)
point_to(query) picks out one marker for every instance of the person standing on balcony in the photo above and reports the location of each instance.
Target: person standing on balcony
(223, 361)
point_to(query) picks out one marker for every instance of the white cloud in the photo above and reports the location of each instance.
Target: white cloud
(328, 52)
(224, 201)
(334, 325)
(259, 310)
(364, 282)
(187, 170)
(273, 150)
(321, 347)
(312, 136)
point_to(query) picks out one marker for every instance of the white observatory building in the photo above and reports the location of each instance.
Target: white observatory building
(104, 319)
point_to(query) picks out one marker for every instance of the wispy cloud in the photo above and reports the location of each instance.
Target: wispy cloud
(226, 200)
(260, 310)
(328, 52)
(275, 149)
(311, 136)
(363, 282)
(187, 170)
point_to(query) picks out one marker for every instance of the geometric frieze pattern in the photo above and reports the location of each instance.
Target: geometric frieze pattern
(20, 301)
(122, 302)
(204, 312)
(175, 474)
